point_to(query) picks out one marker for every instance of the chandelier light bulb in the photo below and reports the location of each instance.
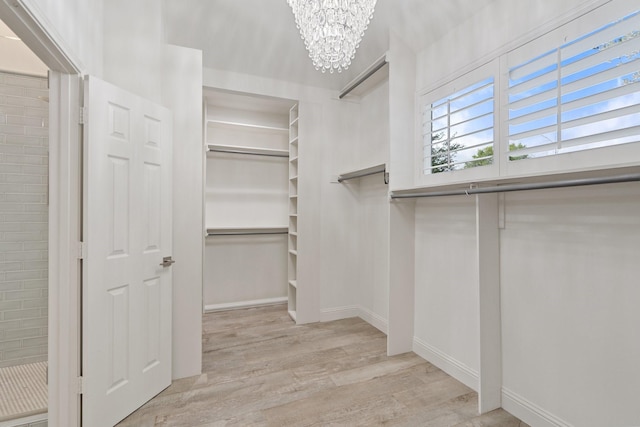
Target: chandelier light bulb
(332, 29)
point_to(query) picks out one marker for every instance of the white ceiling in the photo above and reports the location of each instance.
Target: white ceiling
(260, 37)
(15, 56)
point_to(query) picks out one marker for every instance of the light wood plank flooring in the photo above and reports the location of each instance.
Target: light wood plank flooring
(259, 369)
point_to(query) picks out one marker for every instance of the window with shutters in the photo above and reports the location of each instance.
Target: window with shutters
(567, 100)
(581, 95)
(458, 123)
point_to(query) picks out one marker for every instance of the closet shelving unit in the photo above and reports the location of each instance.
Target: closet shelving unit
(239, 130)
(293, 211)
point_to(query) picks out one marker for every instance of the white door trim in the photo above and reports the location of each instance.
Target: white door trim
(64, 209)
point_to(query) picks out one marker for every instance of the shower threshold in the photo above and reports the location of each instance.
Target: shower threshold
(24, 391)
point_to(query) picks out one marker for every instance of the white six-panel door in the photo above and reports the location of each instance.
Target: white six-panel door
(126, 337)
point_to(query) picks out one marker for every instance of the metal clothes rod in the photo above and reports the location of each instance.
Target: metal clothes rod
(365, 75)
(522, 187)
(247, 231)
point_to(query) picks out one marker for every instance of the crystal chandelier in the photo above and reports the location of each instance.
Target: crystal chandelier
(332, 29)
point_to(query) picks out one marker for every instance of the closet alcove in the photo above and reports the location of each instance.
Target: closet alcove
(247, 206)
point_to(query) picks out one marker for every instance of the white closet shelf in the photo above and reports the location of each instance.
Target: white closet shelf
(293, 283)
(293, 159)
(294, 140)
(236, 149)
(293, 196)
(359, 173)
(292, 252)
(294, 233)
(294, 122)
(240, 231)
(257, 127)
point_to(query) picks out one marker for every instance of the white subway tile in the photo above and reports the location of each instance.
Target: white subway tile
(34, 112)
(10, 345)
(11, 207)
(33, 246)
(12, 90)
(25, 256)
(12, 324)
(13, 130)
(11, 246)
(23, 333)
(35, 303)
(14, 178)
(24, 159)
(31, 323)
(22, 236)
(22, 295)
(10, 266)
(26, 217)
(16, 111)
(37, 150)
(24, 352)
(36, 131)
(31, 313)
(35, 284)
(11, 149)
(10, 305)
(22, 275)
(25, 140)
(26, 121)
(35, 188)
(33, 342)
(25, 81)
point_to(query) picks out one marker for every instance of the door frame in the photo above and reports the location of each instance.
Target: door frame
(65, 201)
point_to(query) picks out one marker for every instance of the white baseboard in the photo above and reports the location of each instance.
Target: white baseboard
(451, 366)
(244, 304)
(339, 313)
(529, 412)
(346, 312)
(374, 320)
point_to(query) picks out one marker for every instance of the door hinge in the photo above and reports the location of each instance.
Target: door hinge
(82, 250)
(80, 385)
(83, 116)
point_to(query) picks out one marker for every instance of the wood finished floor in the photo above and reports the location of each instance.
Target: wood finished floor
(259, 369)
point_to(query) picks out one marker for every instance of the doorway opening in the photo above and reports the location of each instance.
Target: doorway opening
(24, 179)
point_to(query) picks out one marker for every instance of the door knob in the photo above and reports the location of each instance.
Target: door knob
(167, 261)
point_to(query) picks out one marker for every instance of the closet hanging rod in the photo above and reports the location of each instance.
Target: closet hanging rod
(373, 68)
(520, 187)
(382, 168)
(246, 231)
(252, 151)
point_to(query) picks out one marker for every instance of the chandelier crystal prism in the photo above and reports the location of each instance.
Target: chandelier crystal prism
(332, 29)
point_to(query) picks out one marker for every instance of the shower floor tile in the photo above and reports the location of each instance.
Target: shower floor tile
(24, 390)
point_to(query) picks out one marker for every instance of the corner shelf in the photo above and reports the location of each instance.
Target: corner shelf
(370, 170)
(256, 151)
(252, 126)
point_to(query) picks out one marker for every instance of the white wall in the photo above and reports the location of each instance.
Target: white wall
(372, 208)
(446, 297)
(569, 302)
(567, 267)
(182, 93)
(76, 26)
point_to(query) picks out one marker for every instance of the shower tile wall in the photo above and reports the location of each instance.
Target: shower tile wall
(23, 219)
